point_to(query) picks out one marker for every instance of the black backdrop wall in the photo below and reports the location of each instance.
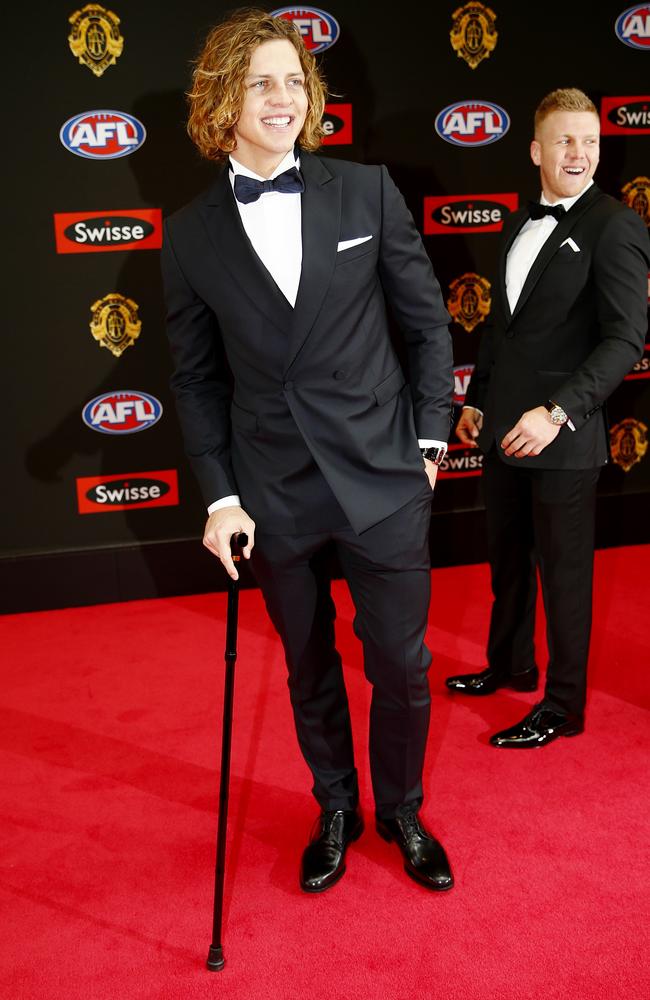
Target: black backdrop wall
(91, 507)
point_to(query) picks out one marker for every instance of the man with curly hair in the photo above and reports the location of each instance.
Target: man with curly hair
(298, 419)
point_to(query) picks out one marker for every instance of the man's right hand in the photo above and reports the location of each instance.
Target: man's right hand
(469, 425)
(219, 529)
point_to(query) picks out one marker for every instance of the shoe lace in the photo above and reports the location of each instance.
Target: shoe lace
(410, 824)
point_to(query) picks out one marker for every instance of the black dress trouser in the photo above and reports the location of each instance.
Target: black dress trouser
(541, 518)
(387, 569)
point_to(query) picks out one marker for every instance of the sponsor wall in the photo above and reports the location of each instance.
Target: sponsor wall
(443, 95)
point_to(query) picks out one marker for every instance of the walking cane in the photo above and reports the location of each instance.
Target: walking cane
(215, 961)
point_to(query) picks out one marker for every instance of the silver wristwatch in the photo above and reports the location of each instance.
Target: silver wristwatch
(556, 413)
(434, 455)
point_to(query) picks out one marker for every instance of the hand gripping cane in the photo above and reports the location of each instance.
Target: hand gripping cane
(215, 961)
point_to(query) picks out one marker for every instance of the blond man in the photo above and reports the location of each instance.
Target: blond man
(569, 321)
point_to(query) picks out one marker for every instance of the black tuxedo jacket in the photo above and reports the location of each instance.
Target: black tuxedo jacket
(578, 327)
(265, 390)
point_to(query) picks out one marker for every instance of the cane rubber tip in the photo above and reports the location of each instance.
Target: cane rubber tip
(215, 961)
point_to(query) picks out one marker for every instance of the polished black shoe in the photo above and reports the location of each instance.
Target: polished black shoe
(424, 858)
(541, 726)
(488, 681)
(323, 860)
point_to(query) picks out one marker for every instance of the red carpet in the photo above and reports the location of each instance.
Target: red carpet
(109, 740)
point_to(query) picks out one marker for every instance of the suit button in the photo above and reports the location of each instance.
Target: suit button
(339, 375)
(288, 384)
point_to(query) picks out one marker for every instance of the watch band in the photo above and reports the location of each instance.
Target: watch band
(434, 455)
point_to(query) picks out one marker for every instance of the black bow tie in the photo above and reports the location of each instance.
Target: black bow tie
(538, 211)
(248, 189)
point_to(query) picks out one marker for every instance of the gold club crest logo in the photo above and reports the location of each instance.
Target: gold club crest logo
(95, 38)
(473, 33)
(636, 194)
(115, 323)
(629, 440)
(469, 300)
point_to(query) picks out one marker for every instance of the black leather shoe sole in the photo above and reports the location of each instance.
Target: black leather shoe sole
(386, 835)
(340, 870)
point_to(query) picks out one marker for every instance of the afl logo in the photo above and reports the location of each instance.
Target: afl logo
(122, 412)
(472, 123)
(319, 29)
(102, 135)
(633, 27)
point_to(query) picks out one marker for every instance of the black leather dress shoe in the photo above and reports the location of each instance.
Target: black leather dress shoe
(488, 681)
(424, 857)
(323, 860)
(541, 726)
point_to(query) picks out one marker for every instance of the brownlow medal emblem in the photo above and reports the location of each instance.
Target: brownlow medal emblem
(469, 300)
(95, 38)
(636, 194)
(473, 33)
(629, 441)
(115, 323)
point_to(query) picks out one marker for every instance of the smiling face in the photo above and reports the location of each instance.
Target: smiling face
(566, 148)
(274, 107)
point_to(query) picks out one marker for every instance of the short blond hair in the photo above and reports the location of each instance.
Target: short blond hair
(564, 99)
(217, 93)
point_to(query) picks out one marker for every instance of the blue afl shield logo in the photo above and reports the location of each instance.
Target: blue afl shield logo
(102, 135)
(319, 29)
(472, 123)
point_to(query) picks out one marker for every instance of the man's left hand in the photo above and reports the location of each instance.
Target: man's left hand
(531, 434)
(431, 470)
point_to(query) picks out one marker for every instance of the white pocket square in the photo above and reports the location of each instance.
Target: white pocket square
(574, 246)
(346, 244)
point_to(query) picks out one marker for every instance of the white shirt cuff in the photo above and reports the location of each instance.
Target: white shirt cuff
(430, 443)
(468, 407)
(231, 501)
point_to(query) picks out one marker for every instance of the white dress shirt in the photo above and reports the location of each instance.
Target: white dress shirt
(529, 241)
(522, 254)
(273, 224)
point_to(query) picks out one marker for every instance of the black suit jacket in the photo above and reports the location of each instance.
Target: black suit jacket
(264, 390)
(578, 327)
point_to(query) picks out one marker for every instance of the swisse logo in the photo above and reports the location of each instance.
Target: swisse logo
(625, 115)
(319, 29)
(633, 27)
(472, 123)
(100, 232)
(122, 412)
(460, 462)
(102, 135)
(462, 376)
(642, 367)
(126, 491)
(337, 124)
(467, 213)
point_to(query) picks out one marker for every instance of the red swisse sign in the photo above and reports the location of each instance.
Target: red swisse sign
(460, 462)
(337, 123)
(127, 491)
(625, 115)
(467, 213)
(99, 232)
(642, 367)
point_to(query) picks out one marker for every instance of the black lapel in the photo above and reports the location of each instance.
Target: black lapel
(321, 216)
(553, 243)
(229, 239)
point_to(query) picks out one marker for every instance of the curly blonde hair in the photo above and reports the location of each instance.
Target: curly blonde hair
(564, 99)
(217, 93)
